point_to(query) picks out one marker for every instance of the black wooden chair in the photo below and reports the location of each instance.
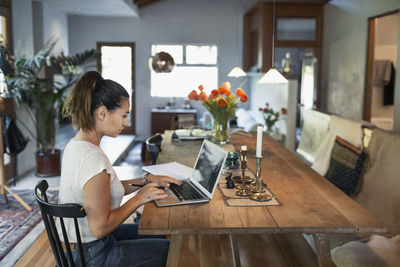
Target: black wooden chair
(49, 213)
(153, 145)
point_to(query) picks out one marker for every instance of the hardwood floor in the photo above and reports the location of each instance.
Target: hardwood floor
(39, 254)
(213, 250)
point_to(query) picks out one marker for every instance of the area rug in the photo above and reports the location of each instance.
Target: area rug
(15, 221)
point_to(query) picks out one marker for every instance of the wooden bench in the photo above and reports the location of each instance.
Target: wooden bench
(377, 190)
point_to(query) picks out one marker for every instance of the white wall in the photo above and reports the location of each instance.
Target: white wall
(55, 25)
(22, 30)
(173, 21)
(344, 55)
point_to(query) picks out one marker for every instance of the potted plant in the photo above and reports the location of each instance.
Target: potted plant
(43, 96)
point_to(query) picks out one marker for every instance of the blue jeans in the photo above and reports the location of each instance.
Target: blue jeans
(125, 247)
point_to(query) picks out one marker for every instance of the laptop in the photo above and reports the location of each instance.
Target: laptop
(201, 185)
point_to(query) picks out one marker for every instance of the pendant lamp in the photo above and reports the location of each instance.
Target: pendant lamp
(273, 76)
(237, 72)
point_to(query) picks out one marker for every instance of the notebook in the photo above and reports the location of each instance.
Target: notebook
(201, 184)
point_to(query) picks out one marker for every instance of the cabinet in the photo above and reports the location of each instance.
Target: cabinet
(171, 119)
(298, 34)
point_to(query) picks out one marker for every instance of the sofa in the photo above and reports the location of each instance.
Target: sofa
(377, 190)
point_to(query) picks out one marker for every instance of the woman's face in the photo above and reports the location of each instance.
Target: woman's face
(117, 119)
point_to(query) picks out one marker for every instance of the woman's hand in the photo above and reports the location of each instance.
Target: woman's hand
(162, 180)
(150, 192)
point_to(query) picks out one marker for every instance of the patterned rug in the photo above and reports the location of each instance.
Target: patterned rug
(15, 221)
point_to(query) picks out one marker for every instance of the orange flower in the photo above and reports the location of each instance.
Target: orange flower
(227, 85)
(221, 90)
(243, 98)
(277, 115)
(227, 92)
(201, 87)
(214, 93)
(193, 95)
(284, 111)
(221, 102)
(204, 99)
(203, 95)
(240, 92)
(266, 110)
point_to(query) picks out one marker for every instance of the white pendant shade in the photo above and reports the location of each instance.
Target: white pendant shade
(273, 77)
(237, 72)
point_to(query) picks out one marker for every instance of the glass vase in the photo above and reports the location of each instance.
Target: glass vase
(269, 128)
(220, 131)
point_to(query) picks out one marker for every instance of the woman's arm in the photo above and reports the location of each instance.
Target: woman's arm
(161, 180)
(102, 221)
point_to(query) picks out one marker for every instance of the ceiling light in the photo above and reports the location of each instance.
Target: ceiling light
(273, 76)
(237, 72)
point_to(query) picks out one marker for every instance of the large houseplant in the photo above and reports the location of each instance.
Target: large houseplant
(42, 97)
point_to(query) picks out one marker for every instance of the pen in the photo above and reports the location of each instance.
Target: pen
(141, 185)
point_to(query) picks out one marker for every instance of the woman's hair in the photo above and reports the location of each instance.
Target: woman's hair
(90, 92)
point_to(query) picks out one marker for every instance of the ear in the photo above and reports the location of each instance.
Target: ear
(101, 113)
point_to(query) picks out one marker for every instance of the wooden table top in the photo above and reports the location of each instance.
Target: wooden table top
(310, 203)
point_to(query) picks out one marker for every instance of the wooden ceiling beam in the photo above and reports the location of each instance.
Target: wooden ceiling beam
(142, 3)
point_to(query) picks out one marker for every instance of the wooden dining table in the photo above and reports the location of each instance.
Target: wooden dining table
(310, 203)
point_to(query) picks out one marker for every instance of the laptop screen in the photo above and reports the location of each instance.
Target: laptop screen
(208, 165)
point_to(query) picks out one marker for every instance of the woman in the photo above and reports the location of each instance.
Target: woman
(100, 107)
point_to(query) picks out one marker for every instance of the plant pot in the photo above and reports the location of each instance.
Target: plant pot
(48, 165)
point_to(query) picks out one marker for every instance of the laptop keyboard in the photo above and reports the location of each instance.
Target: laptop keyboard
(185, 191)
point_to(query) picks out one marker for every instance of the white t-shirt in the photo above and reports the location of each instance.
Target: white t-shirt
(81, 161)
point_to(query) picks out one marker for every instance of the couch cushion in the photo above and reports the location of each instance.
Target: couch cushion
(381, 183)
(315, 128)
(345, 166)
(347, 129)
(378, 251)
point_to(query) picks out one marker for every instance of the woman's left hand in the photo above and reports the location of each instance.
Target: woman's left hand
(162, 180)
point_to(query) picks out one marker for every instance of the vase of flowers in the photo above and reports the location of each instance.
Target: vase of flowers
(271, 117)
(221, 103)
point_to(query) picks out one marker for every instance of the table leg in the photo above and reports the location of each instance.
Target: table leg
(235, 251)
(174, 250)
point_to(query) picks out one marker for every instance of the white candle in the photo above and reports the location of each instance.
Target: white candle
(243, 148)
(259, 141)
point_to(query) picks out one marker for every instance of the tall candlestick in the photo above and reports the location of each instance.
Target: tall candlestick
(259, 141)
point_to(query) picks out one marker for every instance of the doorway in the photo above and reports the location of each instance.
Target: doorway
(117, 63)
(381, 69)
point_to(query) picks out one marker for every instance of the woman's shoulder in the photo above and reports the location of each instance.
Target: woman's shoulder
(83, 148)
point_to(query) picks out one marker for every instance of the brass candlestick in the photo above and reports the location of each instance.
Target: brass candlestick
(242, 189)
(258, 193)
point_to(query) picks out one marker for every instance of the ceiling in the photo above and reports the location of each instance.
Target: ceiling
(126, 8)
(119, 8)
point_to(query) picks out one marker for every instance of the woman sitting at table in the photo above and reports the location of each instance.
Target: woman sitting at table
(100, 107)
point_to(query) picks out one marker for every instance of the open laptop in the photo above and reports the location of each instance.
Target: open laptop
(201, 185)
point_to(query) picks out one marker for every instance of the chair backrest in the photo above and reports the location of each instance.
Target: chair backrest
(52, 211)
(153, 145)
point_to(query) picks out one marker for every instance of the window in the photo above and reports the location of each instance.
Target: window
(194, 65)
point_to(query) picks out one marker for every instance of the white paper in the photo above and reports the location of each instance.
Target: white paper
(173, 169)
